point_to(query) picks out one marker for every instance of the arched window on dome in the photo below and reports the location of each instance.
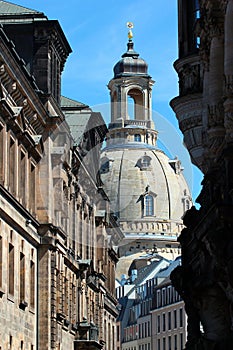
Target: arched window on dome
(149, 205)
(137, 138)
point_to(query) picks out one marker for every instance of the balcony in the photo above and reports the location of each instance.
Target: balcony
(88, 337)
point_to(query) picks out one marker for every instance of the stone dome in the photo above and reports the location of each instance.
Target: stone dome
(135, 171)
(130, 64)
(148, 193)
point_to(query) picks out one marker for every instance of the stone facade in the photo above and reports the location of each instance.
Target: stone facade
(57, 235)
(204, 110)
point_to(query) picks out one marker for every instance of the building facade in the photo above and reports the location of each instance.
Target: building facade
(57, 236)
(204, 109)
(152, 315)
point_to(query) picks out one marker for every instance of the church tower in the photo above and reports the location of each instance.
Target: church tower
(132, 81)
(147, 190)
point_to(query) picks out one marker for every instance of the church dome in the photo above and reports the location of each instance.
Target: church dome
(146, 189)
(130, 64)
(143, 184)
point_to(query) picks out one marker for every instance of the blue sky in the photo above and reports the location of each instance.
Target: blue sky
(97, 33)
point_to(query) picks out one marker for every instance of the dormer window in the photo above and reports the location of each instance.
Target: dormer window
(137, 138)
(144, 162)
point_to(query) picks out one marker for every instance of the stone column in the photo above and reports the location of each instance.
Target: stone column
(228, 72)
(215, 111)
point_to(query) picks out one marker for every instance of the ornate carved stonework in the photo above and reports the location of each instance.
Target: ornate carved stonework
(215, 115)
(190, 79)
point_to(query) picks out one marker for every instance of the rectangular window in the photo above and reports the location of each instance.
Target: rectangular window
(118, 333)
(158, 324)
(175, 342)
(22, 177)
(175, 318)
(148, 329)
(158, 344)
(32, 188)
(12, 175)
(164, 299)
(164, 322)
(169, 343)
(181, 341)
(11, 269)
(169, 320)
(22, 277)
(158, 298)
(32, 284)
(181, 317)
(164, 343)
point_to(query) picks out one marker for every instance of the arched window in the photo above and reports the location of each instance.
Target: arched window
(149, 205)
(137, 138)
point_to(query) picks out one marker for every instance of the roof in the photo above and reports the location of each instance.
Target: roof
(10, 9)
(78, 125)
(145, 271)
(69, 103)
(165, 273)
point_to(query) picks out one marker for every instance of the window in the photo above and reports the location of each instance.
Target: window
(22, 278)
(158, 323)
(169, 343)
(22, 177)
(118, 333)
(158, 298)
(164, 343)
(181, 317)
(164, 322)
(169, 320)
(32, 188)
(32, 284)
(137, 138)
(175, 342)
(148, 329)
(175, 318)
(11, 269)
(145, 162)
(158, 344)
(181, 341)
(149, 205)
(12, 162)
